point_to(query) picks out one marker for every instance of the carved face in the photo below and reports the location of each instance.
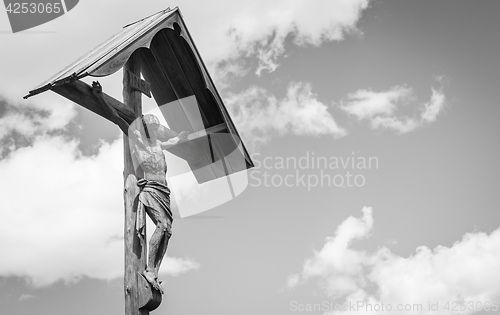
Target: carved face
(152, 123)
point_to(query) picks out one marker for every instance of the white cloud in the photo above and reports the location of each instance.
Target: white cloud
(233, 37)
(336, 263)
(260, 28)
(259, 115)
(33, 118)
(222, 31)
(226, 71)
(382, 108)
(400, 124)
(63, 215)
(26, 297)
(366, 104)
(176, 266)
(293, 280)
(63, 218)
(434, 106)
(462, 272)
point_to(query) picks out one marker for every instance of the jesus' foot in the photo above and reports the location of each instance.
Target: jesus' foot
(160, 287)
(153, 280)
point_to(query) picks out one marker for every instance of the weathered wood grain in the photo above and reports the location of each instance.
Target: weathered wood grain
(133, 248)
(81, 93)
(135, 244)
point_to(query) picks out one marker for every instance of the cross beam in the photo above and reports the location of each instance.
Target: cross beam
(81, 93)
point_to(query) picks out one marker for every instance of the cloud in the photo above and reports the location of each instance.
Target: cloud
(30, 119)
(222, 30)
(26, 297)
(382, 108)
(63, 218)
(245, 36)
(433, 107)
(400, 124)
(62, 214)
(339, 266)
(259, 115)
(177, 266)
(260, 29)
(366, 104)
(462, 272)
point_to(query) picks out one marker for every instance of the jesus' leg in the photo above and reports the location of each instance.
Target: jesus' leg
(157, 245)
(162, 250)
(150, 273)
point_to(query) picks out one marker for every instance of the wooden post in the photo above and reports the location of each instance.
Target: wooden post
(140, 298)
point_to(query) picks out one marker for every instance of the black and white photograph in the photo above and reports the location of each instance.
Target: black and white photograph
(330, 157)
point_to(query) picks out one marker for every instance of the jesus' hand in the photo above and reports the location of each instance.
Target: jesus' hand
(183, 136)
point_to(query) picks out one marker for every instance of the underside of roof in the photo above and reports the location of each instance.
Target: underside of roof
(173, 67)
(111, 55)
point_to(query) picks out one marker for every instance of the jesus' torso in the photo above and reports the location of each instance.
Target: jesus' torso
(152, 161)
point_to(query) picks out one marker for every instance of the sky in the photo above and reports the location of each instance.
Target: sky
(373, 127)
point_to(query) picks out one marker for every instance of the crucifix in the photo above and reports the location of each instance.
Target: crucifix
(159, 59)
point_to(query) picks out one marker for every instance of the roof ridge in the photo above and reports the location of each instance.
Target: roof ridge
(161, 11)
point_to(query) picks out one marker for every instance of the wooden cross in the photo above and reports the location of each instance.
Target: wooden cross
(140, 296)
(160, 48)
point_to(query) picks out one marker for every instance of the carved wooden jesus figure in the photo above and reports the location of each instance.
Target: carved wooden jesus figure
(154, 196)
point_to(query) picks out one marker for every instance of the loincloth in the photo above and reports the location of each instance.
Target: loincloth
(154, 198)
